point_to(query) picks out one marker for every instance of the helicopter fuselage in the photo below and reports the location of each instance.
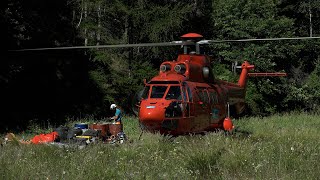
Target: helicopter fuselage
(186, 98)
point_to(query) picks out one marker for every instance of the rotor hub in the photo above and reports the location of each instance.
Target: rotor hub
(191, 36)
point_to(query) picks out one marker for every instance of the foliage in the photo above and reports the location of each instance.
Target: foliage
(307, 91)
(119, 76)
(259, 19)
(222, 72)
(277, 147)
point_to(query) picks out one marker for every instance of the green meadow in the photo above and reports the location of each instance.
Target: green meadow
(283, 146)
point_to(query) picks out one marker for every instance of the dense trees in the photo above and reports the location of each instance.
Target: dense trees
(56, 84)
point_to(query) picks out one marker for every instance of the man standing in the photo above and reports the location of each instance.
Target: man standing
(117, 116)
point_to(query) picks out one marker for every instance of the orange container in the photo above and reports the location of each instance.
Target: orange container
(103, 128)
(114, 129)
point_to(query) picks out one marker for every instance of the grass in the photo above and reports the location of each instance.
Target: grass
(277, 147)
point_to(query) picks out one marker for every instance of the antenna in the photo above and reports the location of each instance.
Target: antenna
(228, 109)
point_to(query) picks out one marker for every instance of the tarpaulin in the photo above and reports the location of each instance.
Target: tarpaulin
(44, 138)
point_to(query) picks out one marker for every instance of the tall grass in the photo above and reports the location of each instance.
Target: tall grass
(277, 147)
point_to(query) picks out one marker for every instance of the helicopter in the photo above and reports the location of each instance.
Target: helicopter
(185, 97)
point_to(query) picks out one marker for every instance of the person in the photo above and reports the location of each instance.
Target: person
(117, 116)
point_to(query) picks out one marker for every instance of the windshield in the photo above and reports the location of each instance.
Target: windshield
(158, 91)
(174, 93)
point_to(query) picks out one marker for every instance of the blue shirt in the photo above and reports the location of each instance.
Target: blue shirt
(118, 113)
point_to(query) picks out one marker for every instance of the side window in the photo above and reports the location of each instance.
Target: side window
(213, 97)
(200, 94)
(205, 96)
(174, 93)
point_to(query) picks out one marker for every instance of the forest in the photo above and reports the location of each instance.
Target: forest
(50, 86)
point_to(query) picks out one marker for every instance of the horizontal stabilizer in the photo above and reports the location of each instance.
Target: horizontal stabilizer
(267, 74)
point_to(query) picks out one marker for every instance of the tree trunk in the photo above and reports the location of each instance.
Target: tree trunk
(99, 24)
(85, 29)
(310, 19)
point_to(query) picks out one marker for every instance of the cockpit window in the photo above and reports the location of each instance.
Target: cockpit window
(158, 91)
(174, 93)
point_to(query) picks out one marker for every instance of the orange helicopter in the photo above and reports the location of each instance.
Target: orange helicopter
(185, 97)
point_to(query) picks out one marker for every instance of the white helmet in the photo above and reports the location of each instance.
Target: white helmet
(113, 106)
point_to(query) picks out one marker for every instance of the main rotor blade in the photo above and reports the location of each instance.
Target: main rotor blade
(248, 40)
(173, 43)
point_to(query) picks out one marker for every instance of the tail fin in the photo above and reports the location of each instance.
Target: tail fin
(246, 67)
(244, 73)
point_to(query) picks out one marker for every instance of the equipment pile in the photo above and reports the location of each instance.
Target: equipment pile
(81, 134)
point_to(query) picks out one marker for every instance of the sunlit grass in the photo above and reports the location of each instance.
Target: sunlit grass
(277, 147)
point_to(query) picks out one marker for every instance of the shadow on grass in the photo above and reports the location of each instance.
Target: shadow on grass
(239, 133)
(235, 133)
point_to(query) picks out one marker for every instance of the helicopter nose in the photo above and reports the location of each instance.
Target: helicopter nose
(151, 113)
(151, 117)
